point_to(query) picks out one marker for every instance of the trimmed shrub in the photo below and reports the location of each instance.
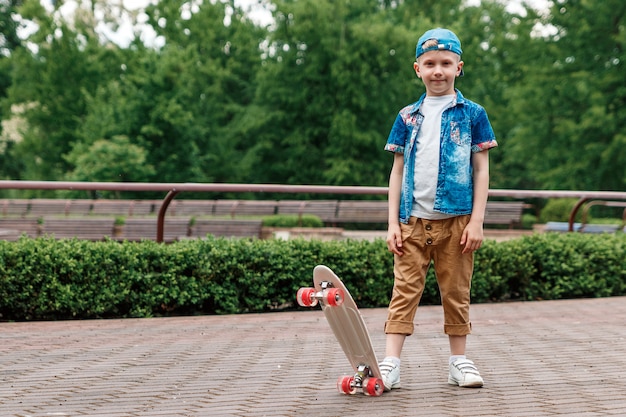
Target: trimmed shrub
(46, 279)
(559, 209)
(292, 220)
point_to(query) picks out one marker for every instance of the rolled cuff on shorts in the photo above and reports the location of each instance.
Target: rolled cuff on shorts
(457, 329)
(399, 327)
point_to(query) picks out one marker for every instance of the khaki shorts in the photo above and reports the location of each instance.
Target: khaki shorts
(424, 241)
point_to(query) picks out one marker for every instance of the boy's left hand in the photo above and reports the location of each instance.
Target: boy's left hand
(472, 237)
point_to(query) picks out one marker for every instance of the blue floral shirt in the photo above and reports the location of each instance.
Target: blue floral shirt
(465, 129)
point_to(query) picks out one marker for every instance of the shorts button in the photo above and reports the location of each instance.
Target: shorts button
(429, 241)
(429, 227)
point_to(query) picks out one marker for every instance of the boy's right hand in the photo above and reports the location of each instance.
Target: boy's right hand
(394, 240)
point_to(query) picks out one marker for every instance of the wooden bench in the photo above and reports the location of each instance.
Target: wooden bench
(329, 211)
(363, 212)
(111, 207)
(79, 207)
(144, 207)
(504, 212)
(40, 207)
(15, 207)
(15, 227)
(126, 208)
(326, 210)
(10, 235)
(234, 208)
(173, 209)
(191, 207)
(137, 229)
(226, 228)
(80, 228)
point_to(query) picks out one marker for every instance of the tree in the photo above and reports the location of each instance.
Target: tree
(175, 102)
(311, 99)
(206, 71)
(328, 93)
(114, 160)
(500, 53)
(570, 126)
(49, 80)
(9, 42)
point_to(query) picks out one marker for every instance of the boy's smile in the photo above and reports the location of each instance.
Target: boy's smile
(438, 70)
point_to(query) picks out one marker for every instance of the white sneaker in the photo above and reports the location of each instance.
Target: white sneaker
(464, 373)
(390, 373)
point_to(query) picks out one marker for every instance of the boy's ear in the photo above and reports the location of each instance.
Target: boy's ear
(459, 68)
(416, 68)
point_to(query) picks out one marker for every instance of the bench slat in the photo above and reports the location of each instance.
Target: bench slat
(136, 229)
(15, 227)
(14, 207)
(194, 207)
(326, 210)
(363, 212)
(226, 228)
(48, 207)
(244, 208)
(84, 228)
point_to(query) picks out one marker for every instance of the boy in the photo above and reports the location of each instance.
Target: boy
(437, 196)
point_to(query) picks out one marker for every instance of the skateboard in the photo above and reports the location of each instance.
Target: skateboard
(349, 328)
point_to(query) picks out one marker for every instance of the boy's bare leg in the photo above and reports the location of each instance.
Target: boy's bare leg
(395, 342)
(394, 345)
(457, 345)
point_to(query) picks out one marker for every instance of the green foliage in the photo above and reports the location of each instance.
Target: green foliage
(292, 220)
(558, 210)
(311, 98)
(573, 266)
(9, 39)
(110, 160)
(43, 279)
(502, 271)
(528, 220)
(50, 81)
(568, 133)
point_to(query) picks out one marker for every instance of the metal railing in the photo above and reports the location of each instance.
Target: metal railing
(173, 189)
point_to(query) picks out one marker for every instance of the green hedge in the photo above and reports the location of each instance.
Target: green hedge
(292, 220)
(45, 279)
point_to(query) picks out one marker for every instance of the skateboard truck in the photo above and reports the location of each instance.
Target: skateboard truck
(362, 372)
(363, 380)
(308, 297)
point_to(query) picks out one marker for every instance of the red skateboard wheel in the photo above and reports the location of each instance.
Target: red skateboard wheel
(334, 296)
(305, 297)
(373, 387)
(345, 385)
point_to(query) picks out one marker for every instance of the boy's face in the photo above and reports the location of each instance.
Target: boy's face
(438, 70)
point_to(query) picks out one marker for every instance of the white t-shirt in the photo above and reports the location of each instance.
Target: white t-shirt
(427, 157)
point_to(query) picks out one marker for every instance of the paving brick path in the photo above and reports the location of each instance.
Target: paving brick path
(544, 358)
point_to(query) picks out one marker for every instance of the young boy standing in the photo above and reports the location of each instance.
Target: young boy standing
(438, 190)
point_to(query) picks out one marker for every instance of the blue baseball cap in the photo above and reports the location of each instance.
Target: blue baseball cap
(446, 41)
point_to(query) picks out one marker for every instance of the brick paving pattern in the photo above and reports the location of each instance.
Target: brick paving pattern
(545, 358)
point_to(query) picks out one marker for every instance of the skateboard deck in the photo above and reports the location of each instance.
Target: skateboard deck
(349, 328)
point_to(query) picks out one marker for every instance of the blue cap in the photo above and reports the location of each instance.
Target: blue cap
(446, 41)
